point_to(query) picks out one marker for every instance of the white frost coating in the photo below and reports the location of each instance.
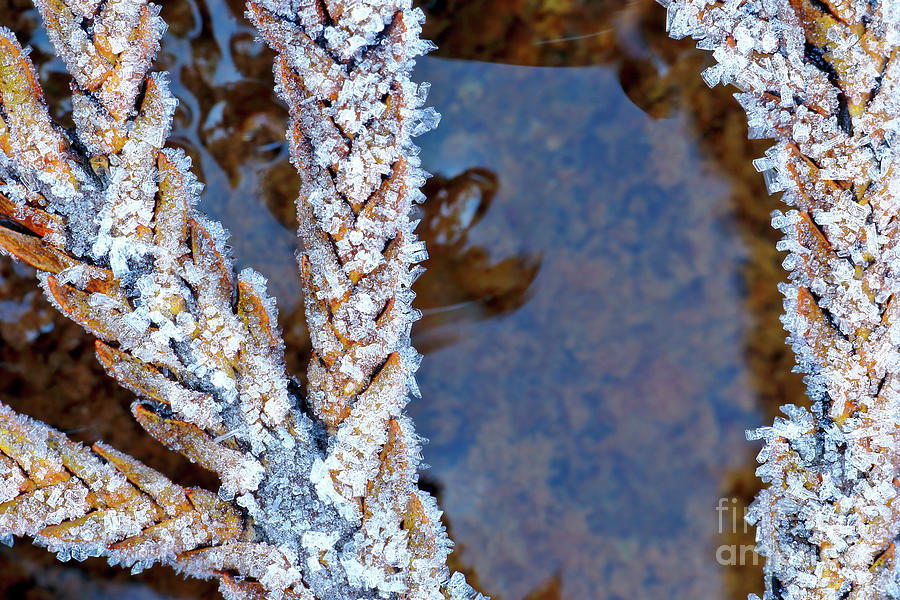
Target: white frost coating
(331, 492)
(343, 71)
(823, 82)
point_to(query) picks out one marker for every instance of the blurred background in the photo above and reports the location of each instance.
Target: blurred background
(600, 313)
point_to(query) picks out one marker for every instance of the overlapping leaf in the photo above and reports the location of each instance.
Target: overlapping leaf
(821, 79)
(312, 505)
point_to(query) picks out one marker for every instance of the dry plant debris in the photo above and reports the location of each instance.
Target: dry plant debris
(319, 495)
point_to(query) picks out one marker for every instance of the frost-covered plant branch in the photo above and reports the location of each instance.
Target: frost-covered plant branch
(315, 503)
(821, 78)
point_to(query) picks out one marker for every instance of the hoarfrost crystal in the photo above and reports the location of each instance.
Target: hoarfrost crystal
(822, 80)
(318, 504)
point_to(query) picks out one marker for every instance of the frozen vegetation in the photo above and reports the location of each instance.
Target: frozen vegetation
(319, 495)
(821, 79)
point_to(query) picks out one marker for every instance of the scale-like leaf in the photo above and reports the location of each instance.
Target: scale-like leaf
(314, 505)
(821, 79)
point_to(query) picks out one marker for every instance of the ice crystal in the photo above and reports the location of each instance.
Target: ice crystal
(822, 80)
(317, 503)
